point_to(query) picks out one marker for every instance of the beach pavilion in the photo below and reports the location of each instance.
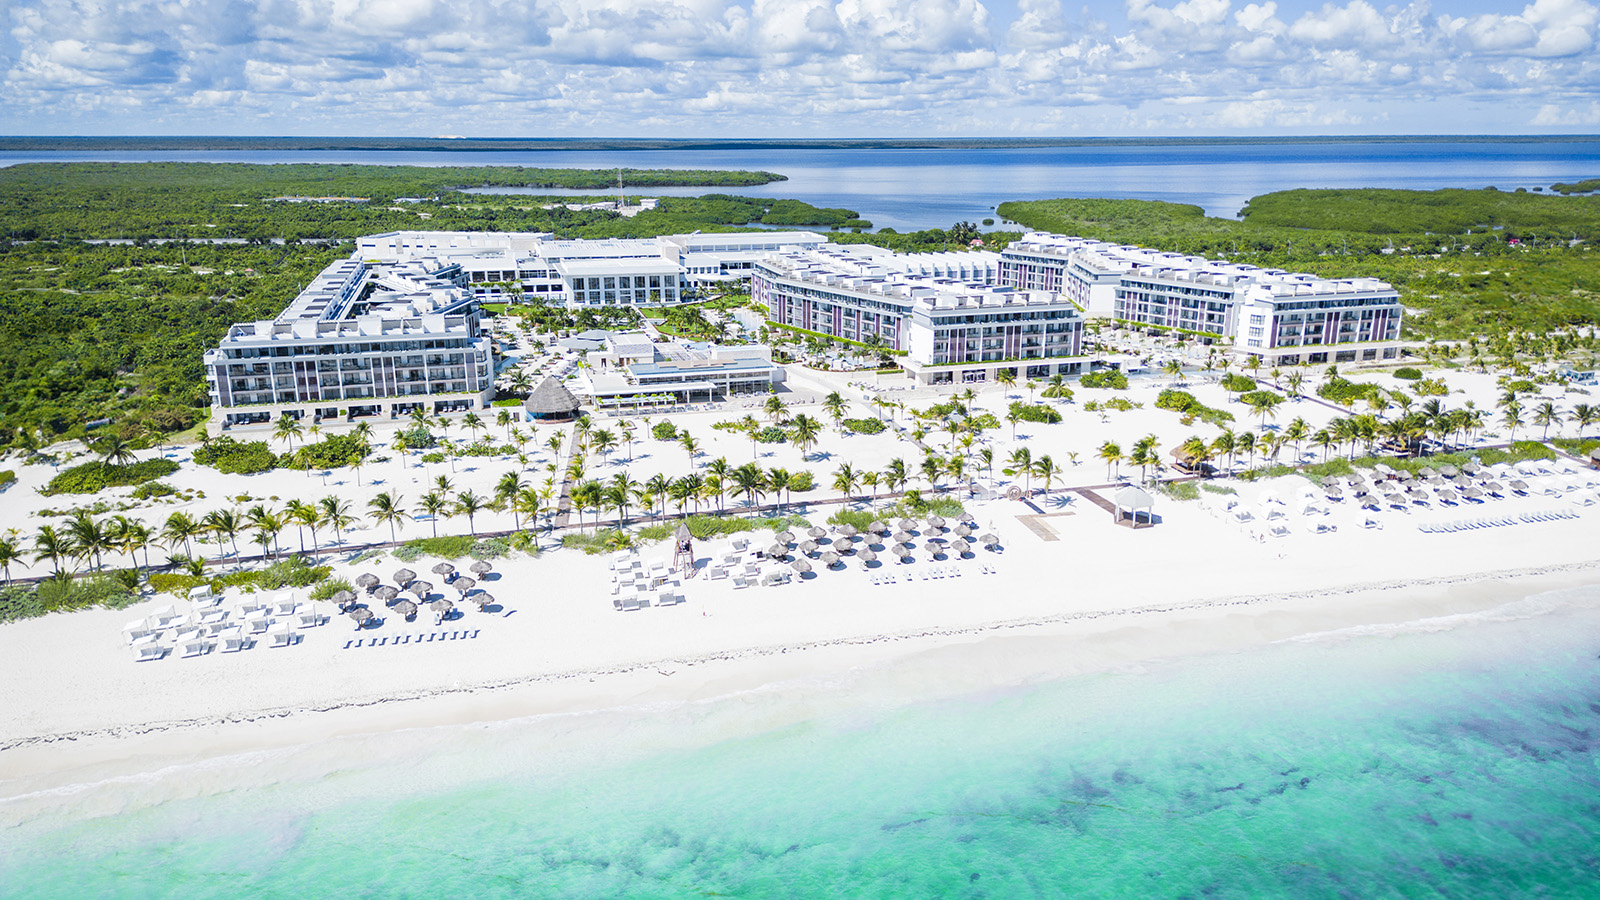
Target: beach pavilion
(1127, 504)
(551, 402)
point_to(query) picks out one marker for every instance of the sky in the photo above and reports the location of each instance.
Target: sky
(796, 68)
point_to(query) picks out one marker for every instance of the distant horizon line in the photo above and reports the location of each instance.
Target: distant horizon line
(45, 143)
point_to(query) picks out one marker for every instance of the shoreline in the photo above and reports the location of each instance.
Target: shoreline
(912, 666)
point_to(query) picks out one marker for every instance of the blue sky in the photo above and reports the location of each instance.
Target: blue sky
(796, 68)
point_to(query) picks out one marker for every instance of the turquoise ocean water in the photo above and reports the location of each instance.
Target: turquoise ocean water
(1450, 758)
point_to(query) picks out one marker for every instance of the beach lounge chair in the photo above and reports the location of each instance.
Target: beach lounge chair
(308, 617)
(163, 619)
(148, 651)
(233, 639)
(213, 616)
(716, 573)
(136, 631)
(197, 645)
(282, 634)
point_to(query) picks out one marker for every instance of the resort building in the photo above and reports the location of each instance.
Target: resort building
(363, 340)
(659, 271)
(1281, 317)
(950, 329)
(630, 371)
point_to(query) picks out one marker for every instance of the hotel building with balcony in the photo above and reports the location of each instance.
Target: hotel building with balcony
(1283, 318)
(951, 330)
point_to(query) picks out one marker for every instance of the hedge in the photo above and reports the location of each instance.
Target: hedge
(236, 458)
(1105, 378)
(92, 477)
(1035, 413)
(865, 426)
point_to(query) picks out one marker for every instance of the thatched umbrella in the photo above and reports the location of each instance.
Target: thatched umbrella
(362, 616)
(777, 551)
(903, 536)
(404, 577)
(900, 550)
(444, 569)
(879, 527)
(816, 532)
(343, 597)
(907, 525)
(1495, 487)
(1472, 468)
(481, 567)
(1383, 470)
(367, 580)
(965, 529)
(808, 546)
(801, 566)
(990, 540)
(1449, 471)
(483, 599)
(935, 522)
(867, 556)
(406, 608)
(1368, 502)
(1427, 472)
(960, 548)
(420, 588)
(785, 537)
(847, 531)
(386, 592)
(1447, 496)
(464, 584)
(830, 558)
(1471, 493)
(1404, 475)
(965, 518)
(441, 606)
(1519, 485)
(1330, 480)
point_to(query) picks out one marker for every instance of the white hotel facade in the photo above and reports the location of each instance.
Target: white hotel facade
(1283, 318)
(953, 324)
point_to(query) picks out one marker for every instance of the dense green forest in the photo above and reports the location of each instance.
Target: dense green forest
(52, 201)
(1470, 262)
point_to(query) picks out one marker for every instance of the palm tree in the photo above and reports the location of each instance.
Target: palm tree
(472, 423)
(660, 486)
(287, 429)
(616, 498)
(224, 523)
(1297, 431)
(266, 522)
(624, 486)
(836, 406)
(1295, 380)
(1111, 452)
(895, 475)
(1020, 463)
(603, 442)
(504, 419)
(1057, 389)
(806, 432)
(1006, 377)
(469, 504)
(335, 512)
(1264, 404)
(181, 527)
(1246, 443)
(1584, 415)
(1548, 415)
(1047, 471)
(88, 538)
(932, 469)
(720, 469)
(684, 490)
(508, 486)
(389, 508)
(10, 553)
(114, 451)
(435, 504)
(845, 480)
(775, 409)
(627, 438)
(527, 502)
(1512, 418)
(749, 480)
(554, 443)
(588, 495)
(50, 544)
(1226, 442)
(689, 445)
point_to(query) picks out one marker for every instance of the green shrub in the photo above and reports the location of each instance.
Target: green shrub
(1035, 413)
(1408, 373)
(434, 457)
(772, 434)
(331, 452)
(449, 547)
(801, 481)
(6, 477)
(235, 458)
(56, 594)
(607, 540)
(1522, 386)
(865, 426)
(92, 477)
(1105, 378)
(1236, 383)
(490, 548)
(1180, 490)
(326, 589)
(1249, 396)
(664, 431)
(1340, 390)
(1216, 488)
(418, 437)
(19, 601)
(153, 489)
(1185, 403)
(176, 583)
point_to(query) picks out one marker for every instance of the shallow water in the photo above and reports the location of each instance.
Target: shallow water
(1450, 758)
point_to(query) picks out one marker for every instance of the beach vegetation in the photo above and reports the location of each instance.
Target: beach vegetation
(664, 431)
(325, 589)
(1344, 391)
(1213, 488)
(1179, 490)
(1184, 403)
(1037, 412)
(90, 478)
(864, 426)
(1408, 373)
(236, 457)
(1105, 378)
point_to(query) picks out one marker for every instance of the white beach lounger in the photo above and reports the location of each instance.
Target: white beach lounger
(149, 651)
(233, 639)
(282, 635)
(136, 631)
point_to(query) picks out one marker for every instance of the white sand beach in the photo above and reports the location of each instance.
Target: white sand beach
(1068, 591)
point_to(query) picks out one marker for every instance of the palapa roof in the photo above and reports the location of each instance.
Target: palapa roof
(1132, 497)
(551, 398)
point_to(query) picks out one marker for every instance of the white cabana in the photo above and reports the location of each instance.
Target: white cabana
(1129, 502)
